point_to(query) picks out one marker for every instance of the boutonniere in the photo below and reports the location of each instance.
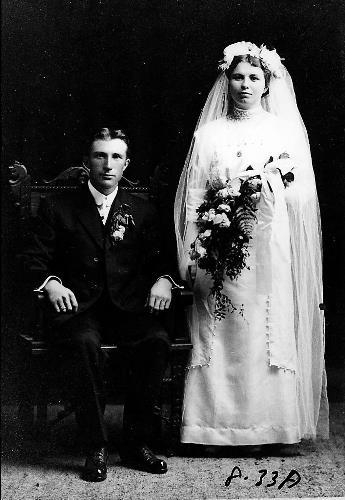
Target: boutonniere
(120, 221)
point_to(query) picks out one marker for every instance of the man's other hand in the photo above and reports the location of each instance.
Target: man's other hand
(160, 295)
(61, 298)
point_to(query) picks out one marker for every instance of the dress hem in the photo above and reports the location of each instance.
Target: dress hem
(239, 437)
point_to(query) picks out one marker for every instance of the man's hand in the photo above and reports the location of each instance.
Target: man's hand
(61, 298)
(160, 295)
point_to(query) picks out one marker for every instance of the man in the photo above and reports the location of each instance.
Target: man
(95, 256)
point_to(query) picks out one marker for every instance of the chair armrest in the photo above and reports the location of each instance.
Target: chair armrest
(184, 296)
(37, 323)
(175, 321)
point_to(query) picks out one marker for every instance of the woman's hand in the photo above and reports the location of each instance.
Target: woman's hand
(159, 298)
(61, 298)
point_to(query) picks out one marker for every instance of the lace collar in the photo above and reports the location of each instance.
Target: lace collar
(239, 114)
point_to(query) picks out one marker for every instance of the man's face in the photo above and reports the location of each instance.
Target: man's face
(107, 162)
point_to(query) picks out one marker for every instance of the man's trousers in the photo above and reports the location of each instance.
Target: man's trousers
(143, 346)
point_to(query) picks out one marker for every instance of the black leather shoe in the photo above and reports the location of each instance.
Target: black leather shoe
(95, 468)
(142, 457)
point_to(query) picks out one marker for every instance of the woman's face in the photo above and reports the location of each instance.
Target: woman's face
(246, 85)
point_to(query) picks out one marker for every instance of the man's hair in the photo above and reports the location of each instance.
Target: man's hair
(107, 134)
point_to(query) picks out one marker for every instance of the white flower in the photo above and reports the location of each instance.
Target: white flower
(218, 219)
(269, 58)
(224, 207)
(211, 214)
(205, 234)
(205, 216)
(223, 193)
(225, 221)
(222, 220)
(223, 179)
(202, 251)
(255, 196)
(199, 248)
(238, 49)
(228, 191)
(235, 184)
(118, 235)
(255, 183)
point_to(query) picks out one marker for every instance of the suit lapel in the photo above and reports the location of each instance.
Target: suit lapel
(89, 216)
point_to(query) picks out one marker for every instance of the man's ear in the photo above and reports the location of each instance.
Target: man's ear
(127, 162)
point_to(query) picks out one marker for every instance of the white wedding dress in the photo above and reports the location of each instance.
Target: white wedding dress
(241, 387)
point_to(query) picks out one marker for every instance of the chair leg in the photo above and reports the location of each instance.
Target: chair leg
(42, 414)
(26, 415)
(42, 399)
(177, 386)
(26, 408)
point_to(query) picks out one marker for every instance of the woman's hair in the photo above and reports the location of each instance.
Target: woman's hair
(254, 61)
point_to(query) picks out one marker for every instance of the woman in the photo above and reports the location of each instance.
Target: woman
(256, 374)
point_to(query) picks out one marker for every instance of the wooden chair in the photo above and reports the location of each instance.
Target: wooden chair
(37, 390)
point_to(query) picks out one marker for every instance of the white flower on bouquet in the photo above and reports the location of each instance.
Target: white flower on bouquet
(255, 183)
(228, 191)
(199, 248)
(224, 208)
(205, 234)
(222, 220)
(211, 214)
(256, 196)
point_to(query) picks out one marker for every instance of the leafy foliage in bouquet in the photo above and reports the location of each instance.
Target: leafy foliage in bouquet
(226, 220)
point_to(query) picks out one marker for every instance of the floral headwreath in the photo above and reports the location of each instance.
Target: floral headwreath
(269, 58)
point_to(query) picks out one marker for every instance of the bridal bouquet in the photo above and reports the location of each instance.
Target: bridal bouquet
(226, 220)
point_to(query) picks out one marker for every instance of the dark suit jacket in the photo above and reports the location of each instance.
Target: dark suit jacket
(71, 242)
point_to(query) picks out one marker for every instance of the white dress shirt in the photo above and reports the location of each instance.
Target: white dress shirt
(103, 202)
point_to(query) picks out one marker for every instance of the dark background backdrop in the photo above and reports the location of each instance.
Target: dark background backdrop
(149, 65)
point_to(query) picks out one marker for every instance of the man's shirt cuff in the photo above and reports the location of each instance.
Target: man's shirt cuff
(40, 288)
(174, 284)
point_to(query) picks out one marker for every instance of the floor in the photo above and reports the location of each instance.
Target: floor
(50, 469)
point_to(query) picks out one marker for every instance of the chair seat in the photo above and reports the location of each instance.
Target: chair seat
(39, 347)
